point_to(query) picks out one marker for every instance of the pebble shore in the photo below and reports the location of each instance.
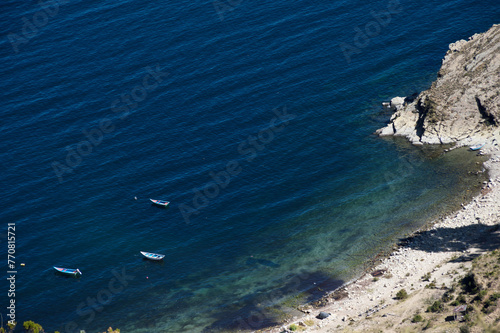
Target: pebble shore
(446, 246)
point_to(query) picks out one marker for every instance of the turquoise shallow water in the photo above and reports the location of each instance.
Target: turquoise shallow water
(106, 106)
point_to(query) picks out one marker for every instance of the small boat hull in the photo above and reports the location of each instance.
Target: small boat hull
(68, 271)
(153, 256)
(477, 147)
(160, 203)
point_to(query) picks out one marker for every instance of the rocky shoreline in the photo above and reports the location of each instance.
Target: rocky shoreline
(447, 246)
(462, 107)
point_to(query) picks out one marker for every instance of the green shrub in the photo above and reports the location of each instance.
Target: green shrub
(447, 297)
(293, 327)
(464, 329)
(489, 274)
(417, 319)
(487, 309)
(469, 284)
(428, 325)
(426, 277)
(309, 322)
(490, 304)
(437, 306)
(431, 285)
(402, 294)
(32, 327)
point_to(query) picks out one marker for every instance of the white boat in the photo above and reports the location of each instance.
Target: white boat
(153, 256)
(477, 147)
(68, 271)
(160, 202)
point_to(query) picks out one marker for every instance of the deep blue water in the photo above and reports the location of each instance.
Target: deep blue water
(106, 105)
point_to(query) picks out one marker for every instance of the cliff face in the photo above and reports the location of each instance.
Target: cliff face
(463, 102)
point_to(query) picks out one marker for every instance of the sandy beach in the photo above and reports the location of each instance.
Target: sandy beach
(441, 253)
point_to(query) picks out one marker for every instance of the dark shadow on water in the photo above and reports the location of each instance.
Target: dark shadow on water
(156, 206)
(246, 318)
(60, 275)
(268, 308)
(318, 285)
(147, 261)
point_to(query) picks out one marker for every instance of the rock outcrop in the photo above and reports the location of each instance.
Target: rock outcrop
(462, 103)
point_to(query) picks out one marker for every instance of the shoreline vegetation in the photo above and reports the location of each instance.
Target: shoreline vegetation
(445, 277)
(32, 327)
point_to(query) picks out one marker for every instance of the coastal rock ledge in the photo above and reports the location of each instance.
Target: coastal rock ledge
(463, 104)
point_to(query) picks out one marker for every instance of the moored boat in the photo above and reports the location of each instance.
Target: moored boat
(68, 271)
(161, 203)
(477, 147)
(153, 256)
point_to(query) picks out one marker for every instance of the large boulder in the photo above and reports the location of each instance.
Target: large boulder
(397, 103)
(323, 315)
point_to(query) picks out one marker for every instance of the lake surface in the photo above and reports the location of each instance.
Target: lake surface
(255, 120)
